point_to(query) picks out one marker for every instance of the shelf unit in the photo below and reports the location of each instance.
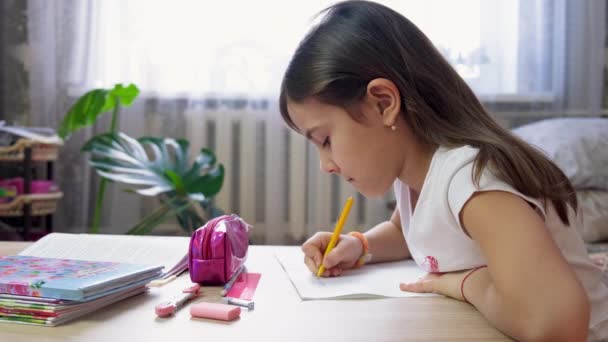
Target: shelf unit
(27, 205)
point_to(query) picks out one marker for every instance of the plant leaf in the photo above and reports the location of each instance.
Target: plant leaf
(159, 164)
(118, 157)
(84, 112)
(109, 104)
(208, 184)
(204, 159)
(177, 181)
(154, 191)
(93, 103)
(126, 95)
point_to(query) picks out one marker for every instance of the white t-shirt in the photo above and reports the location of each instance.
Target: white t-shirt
(438, 243)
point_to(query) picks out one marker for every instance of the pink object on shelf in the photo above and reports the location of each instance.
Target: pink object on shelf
(7, 193)
(43, 187)
(16, 182)
(36, 186)
(215, 311)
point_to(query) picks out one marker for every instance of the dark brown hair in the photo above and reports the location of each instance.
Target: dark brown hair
(358, 41)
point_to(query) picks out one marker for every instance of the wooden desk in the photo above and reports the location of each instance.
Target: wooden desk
(279, 315)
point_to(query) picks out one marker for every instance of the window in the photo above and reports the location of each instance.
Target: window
(242, 47)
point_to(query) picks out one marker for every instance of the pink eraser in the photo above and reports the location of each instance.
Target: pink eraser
(215, 311)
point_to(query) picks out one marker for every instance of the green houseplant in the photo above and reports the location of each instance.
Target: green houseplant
(158, 164)
(85, 112)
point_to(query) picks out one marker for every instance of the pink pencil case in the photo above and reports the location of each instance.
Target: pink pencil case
(218, 250)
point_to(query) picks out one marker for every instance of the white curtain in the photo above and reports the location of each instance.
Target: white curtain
(195, 48)
(521, 57)
(55, 41)
(561, 53)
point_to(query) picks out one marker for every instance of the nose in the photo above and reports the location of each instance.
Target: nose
(327, 164)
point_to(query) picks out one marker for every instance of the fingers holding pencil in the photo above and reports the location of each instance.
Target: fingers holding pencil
(313, 254)
(314, 247)
(344, 256)
(324, 254)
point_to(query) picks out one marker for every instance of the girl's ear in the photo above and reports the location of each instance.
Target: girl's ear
(384, 95)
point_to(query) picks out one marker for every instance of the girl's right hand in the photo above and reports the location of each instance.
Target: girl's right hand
(343, 256)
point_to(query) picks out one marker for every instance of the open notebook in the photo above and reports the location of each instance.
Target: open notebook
(374, 280)
(167, 251)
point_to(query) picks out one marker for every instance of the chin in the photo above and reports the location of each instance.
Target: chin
(372, 193)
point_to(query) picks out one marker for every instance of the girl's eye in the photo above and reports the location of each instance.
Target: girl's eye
(326, 142)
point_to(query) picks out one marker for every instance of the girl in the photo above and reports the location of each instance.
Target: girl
(491, 219)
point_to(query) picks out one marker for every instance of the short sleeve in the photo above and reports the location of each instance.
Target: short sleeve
(462, 187)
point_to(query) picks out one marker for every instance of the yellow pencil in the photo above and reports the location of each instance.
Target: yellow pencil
(336, 234)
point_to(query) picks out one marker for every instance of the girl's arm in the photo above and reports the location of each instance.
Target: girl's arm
(386, 241)
(528, 290)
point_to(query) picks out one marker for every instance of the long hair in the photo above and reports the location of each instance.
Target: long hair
(358, 41)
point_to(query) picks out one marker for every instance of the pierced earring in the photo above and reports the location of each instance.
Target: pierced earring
(393, 127)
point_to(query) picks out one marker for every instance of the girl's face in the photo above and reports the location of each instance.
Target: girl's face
(366, 153)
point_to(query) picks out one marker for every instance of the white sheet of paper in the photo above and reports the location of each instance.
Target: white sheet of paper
(373, 280)
(167, 251)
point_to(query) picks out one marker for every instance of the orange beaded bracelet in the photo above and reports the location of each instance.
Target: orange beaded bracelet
(365, 256)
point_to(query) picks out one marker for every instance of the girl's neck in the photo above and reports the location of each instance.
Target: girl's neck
(416, 168)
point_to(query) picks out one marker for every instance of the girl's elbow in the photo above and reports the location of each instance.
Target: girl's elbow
(569, 323)
(565, 332)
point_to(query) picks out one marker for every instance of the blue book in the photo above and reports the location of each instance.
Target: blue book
(78, 280)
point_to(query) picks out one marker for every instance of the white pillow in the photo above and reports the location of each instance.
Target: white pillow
(579, 146)
(593, 209)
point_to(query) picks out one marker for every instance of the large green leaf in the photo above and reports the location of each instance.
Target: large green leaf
(92, 104)
(158, 164)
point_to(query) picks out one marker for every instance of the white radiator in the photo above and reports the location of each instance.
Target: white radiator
(273, 178)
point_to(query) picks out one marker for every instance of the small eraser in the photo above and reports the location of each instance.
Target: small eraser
(219, 311)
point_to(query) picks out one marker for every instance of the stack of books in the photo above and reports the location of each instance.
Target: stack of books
(64, 276)
(51, 291)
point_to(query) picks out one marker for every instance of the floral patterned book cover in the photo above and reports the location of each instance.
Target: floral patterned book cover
(78, 280)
